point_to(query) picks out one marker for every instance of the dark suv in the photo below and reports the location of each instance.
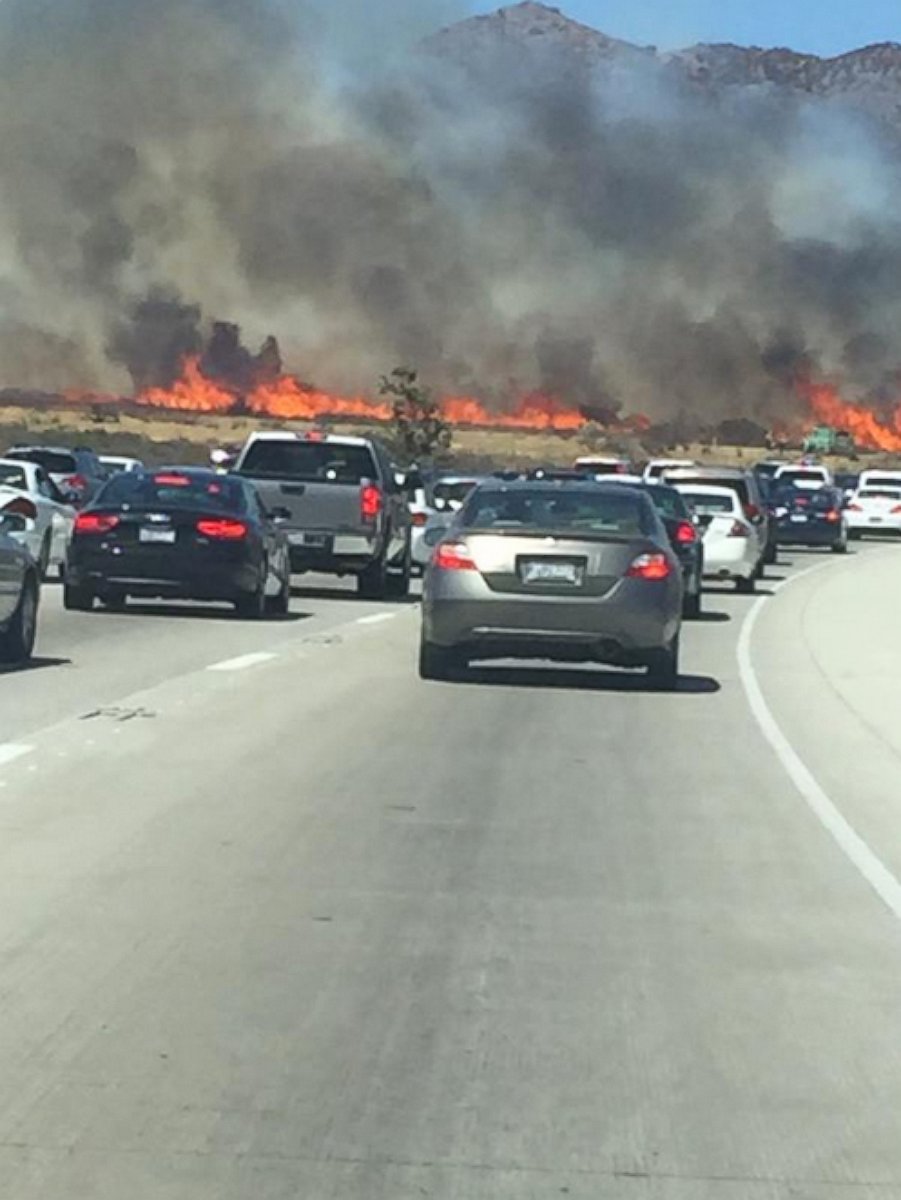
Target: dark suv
(79, 473)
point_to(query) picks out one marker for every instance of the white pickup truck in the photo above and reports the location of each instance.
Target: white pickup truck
(339, 501)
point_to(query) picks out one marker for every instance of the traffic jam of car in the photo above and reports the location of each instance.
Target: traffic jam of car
(597, 563)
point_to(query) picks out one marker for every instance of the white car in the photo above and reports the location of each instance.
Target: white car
(868, 479)
(657, 467)
(803, 476)
(600, 464)
(731, 549)
(27, 489)
(114, 463)
(874, 509)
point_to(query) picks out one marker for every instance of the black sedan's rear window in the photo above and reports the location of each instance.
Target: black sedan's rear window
(617, 513)
(668, 502)
(173, 489)
(310, 462)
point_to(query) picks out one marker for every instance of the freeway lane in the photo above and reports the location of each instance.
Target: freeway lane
(319, 930)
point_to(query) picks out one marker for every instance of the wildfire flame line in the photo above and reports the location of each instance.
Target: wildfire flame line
(869, 432)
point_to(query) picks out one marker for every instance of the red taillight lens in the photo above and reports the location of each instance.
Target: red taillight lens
(222, 529)
(739, 530)
(77, 483)
(420, 519)
(23, 507)
(95, 522)
(834, 516)
(370, 502)
(686, 533)
(453, 556)
(650, 566)
(172, 480)
(752, 512)
(897, 508)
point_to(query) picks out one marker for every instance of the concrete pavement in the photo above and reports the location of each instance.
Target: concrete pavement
(313, 929)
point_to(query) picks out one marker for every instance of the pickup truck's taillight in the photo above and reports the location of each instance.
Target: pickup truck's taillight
(370, 502)
(686, 533)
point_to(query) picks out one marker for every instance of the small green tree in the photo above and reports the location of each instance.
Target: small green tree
(420, 429)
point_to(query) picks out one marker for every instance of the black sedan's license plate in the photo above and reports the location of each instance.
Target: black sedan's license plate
(556, 571)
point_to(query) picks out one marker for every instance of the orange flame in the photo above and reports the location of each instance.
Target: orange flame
(869, 432)
(285, 398)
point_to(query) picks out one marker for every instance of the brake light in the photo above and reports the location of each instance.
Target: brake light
(77, 483)
(752, 512)
(834, 516)
(897, 508)
(453, 556)
(222, 529)
(686, 533)
(172, 480)
(739, 530)
(95, 522)
(370, 502)
(23, 507)
(650, 566)
(419, 519)
(314, 435)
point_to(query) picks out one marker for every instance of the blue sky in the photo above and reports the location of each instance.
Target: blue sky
(817, 26)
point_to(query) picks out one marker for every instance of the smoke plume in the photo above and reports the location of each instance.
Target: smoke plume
(503, 224)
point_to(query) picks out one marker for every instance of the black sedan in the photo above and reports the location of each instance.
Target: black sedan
(807, 517)
(683, 533)
(178, 533)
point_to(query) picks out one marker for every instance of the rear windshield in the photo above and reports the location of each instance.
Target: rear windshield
(13, 477)
(170, 489)
(447, 495)
(738, 486)
(54, 462)
(615, 513)
(668, 502)
(801, 476)
(312, 462)
(706, 503)
(879, 493)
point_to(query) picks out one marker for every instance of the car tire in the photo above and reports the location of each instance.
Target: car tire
(115, 599)
(372, 582)
(692, 604)
(840, 547)
(663, 666)
(747, 587)
(17, 643)
(397, 585)
(78, 598)
(280, 604)
(250, 606)
(439, 663)
(44, 556)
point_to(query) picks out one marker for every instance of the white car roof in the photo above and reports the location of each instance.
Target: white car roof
(624, 479)
(786, 468)
(671, 462)
(706, 489)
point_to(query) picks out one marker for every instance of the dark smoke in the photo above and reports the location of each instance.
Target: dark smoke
(504, 224)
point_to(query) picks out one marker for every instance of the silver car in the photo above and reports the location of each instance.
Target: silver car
(19, 592)
(571, 572)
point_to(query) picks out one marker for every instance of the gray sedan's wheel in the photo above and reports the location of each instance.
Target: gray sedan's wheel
(438, 662)
(663, 666)
(17, 643)
(77, 599)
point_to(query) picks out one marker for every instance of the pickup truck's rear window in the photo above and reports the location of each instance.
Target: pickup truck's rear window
(312, 462)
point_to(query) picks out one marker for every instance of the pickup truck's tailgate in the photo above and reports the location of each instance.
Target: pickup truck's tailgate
(316, 507)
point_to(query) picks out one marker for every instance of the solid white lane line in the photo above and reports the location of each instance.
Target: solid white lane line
(849, 841)
(243, 662)
(13, 750)
(376, 618)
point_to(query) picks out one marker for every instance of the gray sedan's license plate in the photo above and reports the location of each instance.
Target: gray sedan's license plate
(551, 572)
(156, 535)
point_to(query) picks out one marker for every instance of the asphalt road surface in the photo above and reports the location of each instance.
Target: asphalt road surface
(278, 921)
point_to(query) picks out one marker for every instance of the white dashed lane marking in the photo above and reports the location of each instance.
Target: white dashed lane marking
(243, 662)
(376, 618)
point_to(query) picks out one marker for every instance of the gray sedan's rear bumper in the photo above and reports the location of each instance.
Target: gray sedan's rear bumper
(635, 616)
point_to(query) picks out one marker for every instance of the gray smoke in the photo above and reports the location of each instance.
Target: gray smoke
(505, 224)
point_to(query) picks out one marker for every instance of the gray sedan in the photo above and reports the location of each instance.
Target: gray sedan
(19, 593)
(571, 572)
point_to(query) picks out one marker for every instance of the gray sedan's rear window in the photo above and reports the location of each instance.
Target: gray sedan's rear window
(617, 512)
